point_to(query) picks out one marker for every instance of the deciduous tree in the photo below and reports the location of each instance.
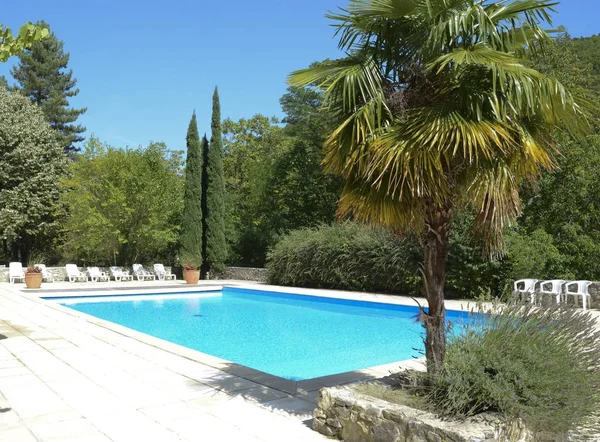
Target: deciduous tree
(123, 205)
(28, 35)
(31, 164)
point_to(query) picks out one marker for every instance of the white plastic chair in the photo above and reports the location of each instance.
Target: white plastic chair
(161, 273)
(142, 273)
(120, 275)
(45, 275)
(525, 287)
(552, 287)
(96, 275)
(576, 289)
(15, 271)
(74, 274)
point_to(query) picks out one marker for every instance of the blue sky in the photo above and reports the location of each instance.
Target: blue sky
(144, 66)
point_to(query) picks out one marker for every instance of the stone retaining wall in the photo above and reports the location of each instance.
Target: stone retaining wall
(352, 417)
(243, 274)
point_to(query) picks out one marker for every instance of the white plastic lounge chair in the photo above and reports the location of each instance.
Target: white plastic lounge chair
(552, 287)
(120, 275)
(45, 275)
(15, 271)
(141, 273)
(74, 274)
(578, 288)
(161, 273)
(96, 275)
(526, 288)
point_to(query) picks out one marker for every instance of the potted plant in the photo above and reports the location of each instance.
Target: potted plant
(191, 273)
(33, 277)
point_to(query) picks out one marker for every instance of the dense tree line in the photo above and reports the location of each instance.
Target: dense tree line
(274, 179)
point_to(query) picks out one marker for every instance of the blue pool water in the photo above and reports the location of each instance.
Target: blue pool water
(292, 336)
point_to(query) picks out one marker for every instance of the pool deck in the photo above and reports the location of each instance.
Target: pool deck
(66, 376)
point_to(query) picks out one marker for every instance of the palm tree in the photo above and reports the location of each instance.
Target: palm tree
(440, 111)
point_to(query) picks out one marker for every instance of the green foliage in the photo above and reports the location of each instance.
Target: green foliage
(470, 274)
(293, 261)
(250, 146)
(562, 60)
(42, 76)
(566, 206)
(31, 164)
(535, 255)
(301, 193)
(191, 221)
(346, 256)
(123, 205)
(216, 246)
(28, 35)
(542, 365)
(588, 51)
(274, 178)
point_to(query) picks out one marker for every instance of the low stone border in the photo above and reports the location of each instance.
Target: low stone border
(243, 274)
(353, 417)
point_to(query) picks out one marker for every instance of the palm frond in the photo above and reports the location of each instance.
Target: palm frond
(348, 83)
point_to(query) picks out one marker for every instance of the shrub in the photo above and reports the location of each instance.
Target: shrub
(351, 256)
(541, 365)
(470, 275)
(347, 256)
(534, 255)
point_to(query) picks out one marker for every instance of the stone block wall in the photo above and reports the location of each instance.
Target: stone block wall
(242, 274)
(238, 273)
(352, 417)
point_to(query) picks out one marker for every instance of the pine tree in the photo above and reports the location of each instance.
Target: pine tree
(42, 76)
(216, 247)
(192, 223)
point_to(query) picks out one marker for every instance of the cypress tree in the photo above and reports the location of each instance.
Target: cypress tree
(216, 247)
(191, 223)
(42, 76)
(205, 147)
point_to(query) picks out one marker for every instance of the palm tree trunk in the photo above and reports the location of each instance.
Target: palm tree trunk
(435, 244)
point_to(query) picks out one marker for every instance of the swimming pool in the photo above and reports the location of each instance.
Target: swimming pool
(292, 336)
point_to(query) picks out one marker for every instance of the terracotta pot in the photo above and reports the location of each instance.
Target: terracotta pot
(191, 276)
(33, 280)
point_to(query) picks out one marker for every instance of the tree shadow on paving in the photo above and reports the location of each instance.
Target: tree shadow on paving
(296, 399)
